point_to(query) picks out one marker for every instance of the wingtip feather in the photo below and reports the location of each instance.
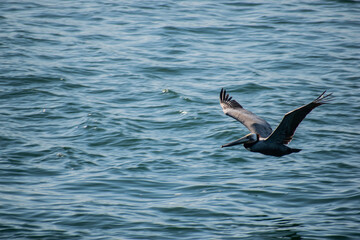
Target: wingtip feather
(226, 99)
(324, 98)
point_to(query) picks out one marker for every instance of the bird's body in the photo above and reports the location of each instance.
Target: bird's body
(262, 139)
(272, 149)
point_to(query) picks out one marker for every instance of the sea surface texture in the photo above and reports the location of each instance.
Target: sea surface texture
(110, 123)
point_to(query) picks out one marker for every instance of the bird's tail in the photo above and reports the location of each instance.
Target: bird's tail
(295, 150)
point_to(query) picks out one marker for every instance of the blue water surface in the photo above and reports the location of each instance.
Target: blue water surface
(110, 124)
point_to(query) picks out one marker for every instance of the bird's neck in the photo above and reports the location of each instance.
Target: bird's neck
(249, 145)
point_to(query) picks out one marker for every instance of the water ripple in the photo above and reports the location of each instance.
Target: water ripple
(111, 126)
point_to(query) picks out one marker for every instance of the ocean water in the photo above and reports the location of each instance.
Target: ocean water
(110, 124)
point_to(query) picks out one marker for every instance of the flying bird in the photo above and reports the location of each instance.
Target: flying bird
(261, 137)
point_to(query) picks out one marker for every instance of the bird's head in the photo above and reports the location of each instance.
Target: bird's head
(247, 139)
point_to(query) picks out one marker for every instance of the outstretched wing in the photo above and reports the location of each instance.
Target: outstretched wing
(233, 109)
(284, 133)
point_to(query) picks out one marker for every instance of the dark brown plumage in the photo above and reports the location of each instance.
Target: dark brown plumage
(262, 139)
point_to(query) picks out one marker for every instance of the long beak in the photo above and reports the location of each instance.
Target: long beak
(236, 142)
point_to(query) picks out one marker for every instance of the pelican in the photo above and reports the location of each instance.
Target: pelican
(261, 137)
